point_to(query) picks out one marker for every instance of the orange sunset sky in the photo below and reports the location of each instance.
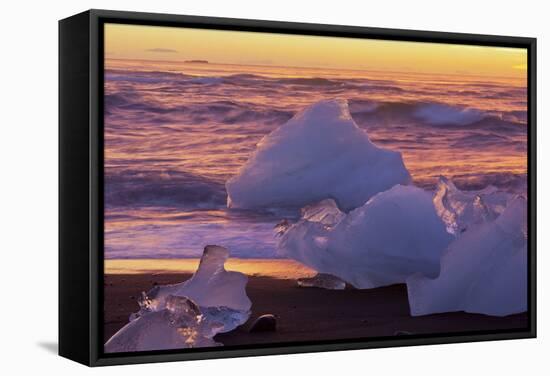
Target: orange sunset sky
(237, 47)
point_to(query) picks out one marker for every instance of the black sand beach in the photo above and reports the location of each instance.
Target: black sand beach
(305, 314)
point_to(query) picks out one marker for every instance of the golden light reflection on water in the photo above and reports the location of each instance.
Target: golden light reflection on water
(285, 269)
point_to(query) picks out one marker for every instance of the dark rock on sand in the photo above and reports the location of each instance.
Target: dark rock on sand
(264, 323)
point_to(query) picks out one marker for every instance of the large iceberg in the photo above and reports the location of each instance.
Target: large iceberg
(187, 314)
(483, 271)
(394, 235)
(320, 153)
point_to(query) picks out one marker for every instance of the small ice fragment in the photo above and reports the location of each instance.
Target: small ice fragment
(281, 227)
(482, 271)
(213, 286)
(227, 318)
(324, 281)
(210, 286)
(461, 210)
(325, 212)
(187, 314)
(320, 153)
(178, 325)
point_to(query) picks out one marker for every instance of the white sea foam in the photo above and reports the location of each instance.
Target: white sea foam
(438, 113)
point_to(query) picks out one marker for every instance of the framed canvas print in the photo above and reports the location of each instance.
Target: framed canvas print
(237, 187)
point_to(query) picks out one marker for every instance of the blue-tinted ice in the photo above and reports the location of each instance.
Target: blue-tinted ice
(320, 153)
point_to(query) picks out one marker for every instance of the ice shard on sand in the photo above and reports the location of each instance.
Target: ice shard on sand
(187, 314)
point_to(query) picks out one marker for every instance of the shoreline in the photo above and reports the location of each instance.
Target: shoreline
(307, 314)
(274, 268)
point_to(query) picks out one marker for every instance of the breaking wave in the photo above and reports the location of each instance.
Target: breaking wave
(167, 188)
(434, 114)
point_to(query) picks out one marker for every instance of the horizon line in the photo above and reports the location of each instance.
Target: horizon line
(208, 62)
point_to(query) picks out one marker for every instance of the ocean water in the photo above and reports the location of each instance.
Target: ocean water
(175, 132)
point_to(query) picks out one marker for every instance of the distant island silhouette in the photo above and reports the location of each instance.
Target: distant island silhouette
(197, 61)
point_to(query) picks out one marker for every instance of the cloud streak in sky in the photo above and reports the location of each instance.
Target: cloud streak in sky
(161, 50)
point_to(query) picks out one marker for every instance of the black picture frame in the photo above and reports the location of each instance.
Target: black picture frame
(81, 184)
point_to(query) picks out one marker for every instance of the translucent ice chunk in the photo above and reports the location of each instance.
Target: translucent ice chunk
(320, 153)
(281, 227)
(482, 271)
(210, 286)
(395, 234)
(324, 281)
(325, 212)
(227, 318)
(178, 325)
(462, 209)
(213, 286)
(187, 314)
